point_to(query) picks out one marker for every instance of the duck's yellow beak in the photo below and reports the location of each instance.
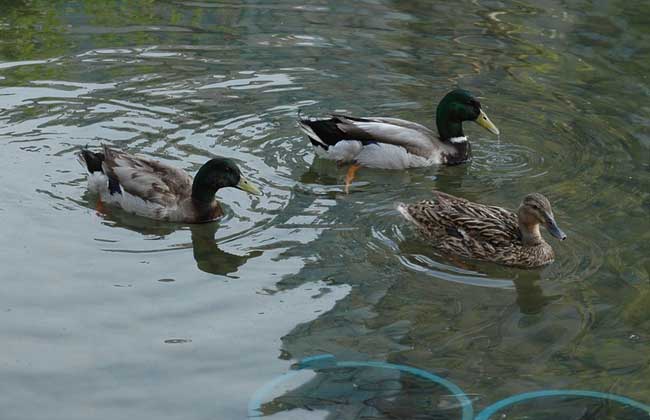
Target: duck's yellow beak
(485, 122)
(245, 185)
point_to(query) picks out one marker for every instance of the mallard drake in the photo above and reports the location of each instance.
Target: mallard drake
(392, 143)
(460, 227)
(153, 189)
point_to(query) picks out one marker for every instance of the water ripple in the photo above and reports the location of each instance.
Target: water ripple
(505, 161)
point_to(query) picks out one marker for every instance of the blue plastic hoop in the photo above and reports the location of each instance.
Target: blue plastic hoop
(515, 399)
(329, 361)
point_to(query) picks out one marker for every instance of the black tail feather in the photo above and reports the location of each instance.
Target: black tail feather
(93, 160)
(326, 130)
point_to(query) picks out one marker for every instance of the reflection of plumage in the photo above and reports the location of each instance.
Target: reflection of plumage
(460, 227)
(159, 191)
(393, 143)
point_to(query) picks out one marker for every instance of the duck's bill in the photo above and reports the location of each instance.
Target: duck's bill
(554, 230)
(485, 122)
(245, 185)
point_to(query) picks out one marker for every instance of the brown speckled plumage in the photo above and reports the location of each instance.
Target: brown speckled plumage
(460, 227)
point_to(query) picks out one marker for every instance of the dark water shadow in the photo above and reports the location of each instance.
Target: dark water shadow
(209, 257)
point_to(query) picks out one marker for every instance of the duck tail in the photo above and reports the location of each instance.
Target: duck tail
(310, 127)
(91, 161)
(403, 209)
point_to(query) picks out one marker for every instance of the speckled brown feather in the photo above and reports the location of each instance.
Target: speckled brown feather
(460, 227)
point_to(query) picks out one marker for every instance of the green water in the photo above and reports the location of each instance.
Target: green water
(113, 316)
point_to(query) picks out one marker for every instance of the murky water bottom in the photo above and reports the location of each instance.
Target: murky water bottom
(108, 315)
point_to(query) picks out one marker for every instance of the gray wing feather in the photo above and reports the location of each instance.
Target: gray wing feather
(415, 138)
(148, 179)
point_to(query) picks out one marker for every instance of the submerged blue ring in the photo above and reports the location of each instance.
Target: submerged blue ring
(329, 361)
(515, 399)
(256, 401)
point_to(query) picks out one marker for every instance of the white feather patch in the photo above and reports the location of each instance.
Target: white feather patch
(388, 156)
(134, 204)
(456, 140)
(97, 182)
(376, 155)
(343, 151)
(403, 210)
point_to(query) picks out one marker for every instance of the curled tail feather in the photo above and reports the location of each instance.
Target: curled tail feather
(403, 209)
(91, 161)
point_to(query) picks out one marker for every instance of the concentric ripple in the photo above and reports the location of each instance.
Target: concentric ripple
(505, 161)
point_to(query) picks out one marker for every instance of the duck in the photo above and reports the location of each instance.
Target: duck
(159, 191)
(459, 227)
(393, 143)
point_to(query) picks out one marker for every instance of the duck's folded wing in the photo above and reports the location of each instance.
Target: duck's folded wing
(415, 138)
(462, 206)
(463, 221)
(148, 179)
(498, 233)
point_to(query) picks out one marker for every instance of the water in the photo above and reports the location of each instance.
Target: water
(106, 315)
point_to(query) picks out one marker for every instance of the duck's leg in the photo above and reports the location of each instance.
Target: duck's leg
(350, 176)
(99, 207)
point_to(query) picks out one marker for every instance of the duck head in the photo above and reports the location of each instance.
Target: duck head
(536, 210)
(219, 173)
(457, 106)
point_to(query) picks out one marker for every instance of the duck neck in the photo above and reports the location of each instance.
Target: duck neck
(530, 234)
(206, 212)
(206, 208)
(202, 194)
(448, 128)
(203, 190)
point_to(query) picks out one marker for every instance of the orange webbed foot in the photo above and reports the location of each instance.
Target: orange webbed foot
(349, 177)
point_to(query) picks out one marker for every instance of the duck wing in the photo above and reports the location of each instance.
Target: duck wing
(415, 138)
(147, 179)
(469, 208)
(455, 218)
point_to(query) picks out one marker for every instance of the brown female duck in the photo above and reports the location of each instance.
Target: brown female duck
(460, 227)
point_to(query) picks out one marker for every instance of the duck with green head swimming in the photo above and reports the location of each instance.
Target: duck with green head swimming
(393, 143)
(153, 189)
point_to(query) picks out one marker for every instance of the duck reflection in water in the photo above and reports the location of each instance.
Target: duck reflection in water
(325, 175)
(530, 296)
(207, 254)
(209, 257)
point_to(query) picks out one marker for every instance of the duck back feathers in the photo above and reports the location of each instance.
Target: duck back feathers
(148, 179)
(145, 187)
(456, 226)
(388, 143)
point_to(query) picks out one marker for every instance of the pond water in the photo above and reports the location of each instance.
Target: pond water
(106, 315)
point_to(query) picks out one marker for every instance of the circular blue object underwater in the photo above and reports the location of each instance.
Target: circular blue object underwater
(527, 396)
(328, 361)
